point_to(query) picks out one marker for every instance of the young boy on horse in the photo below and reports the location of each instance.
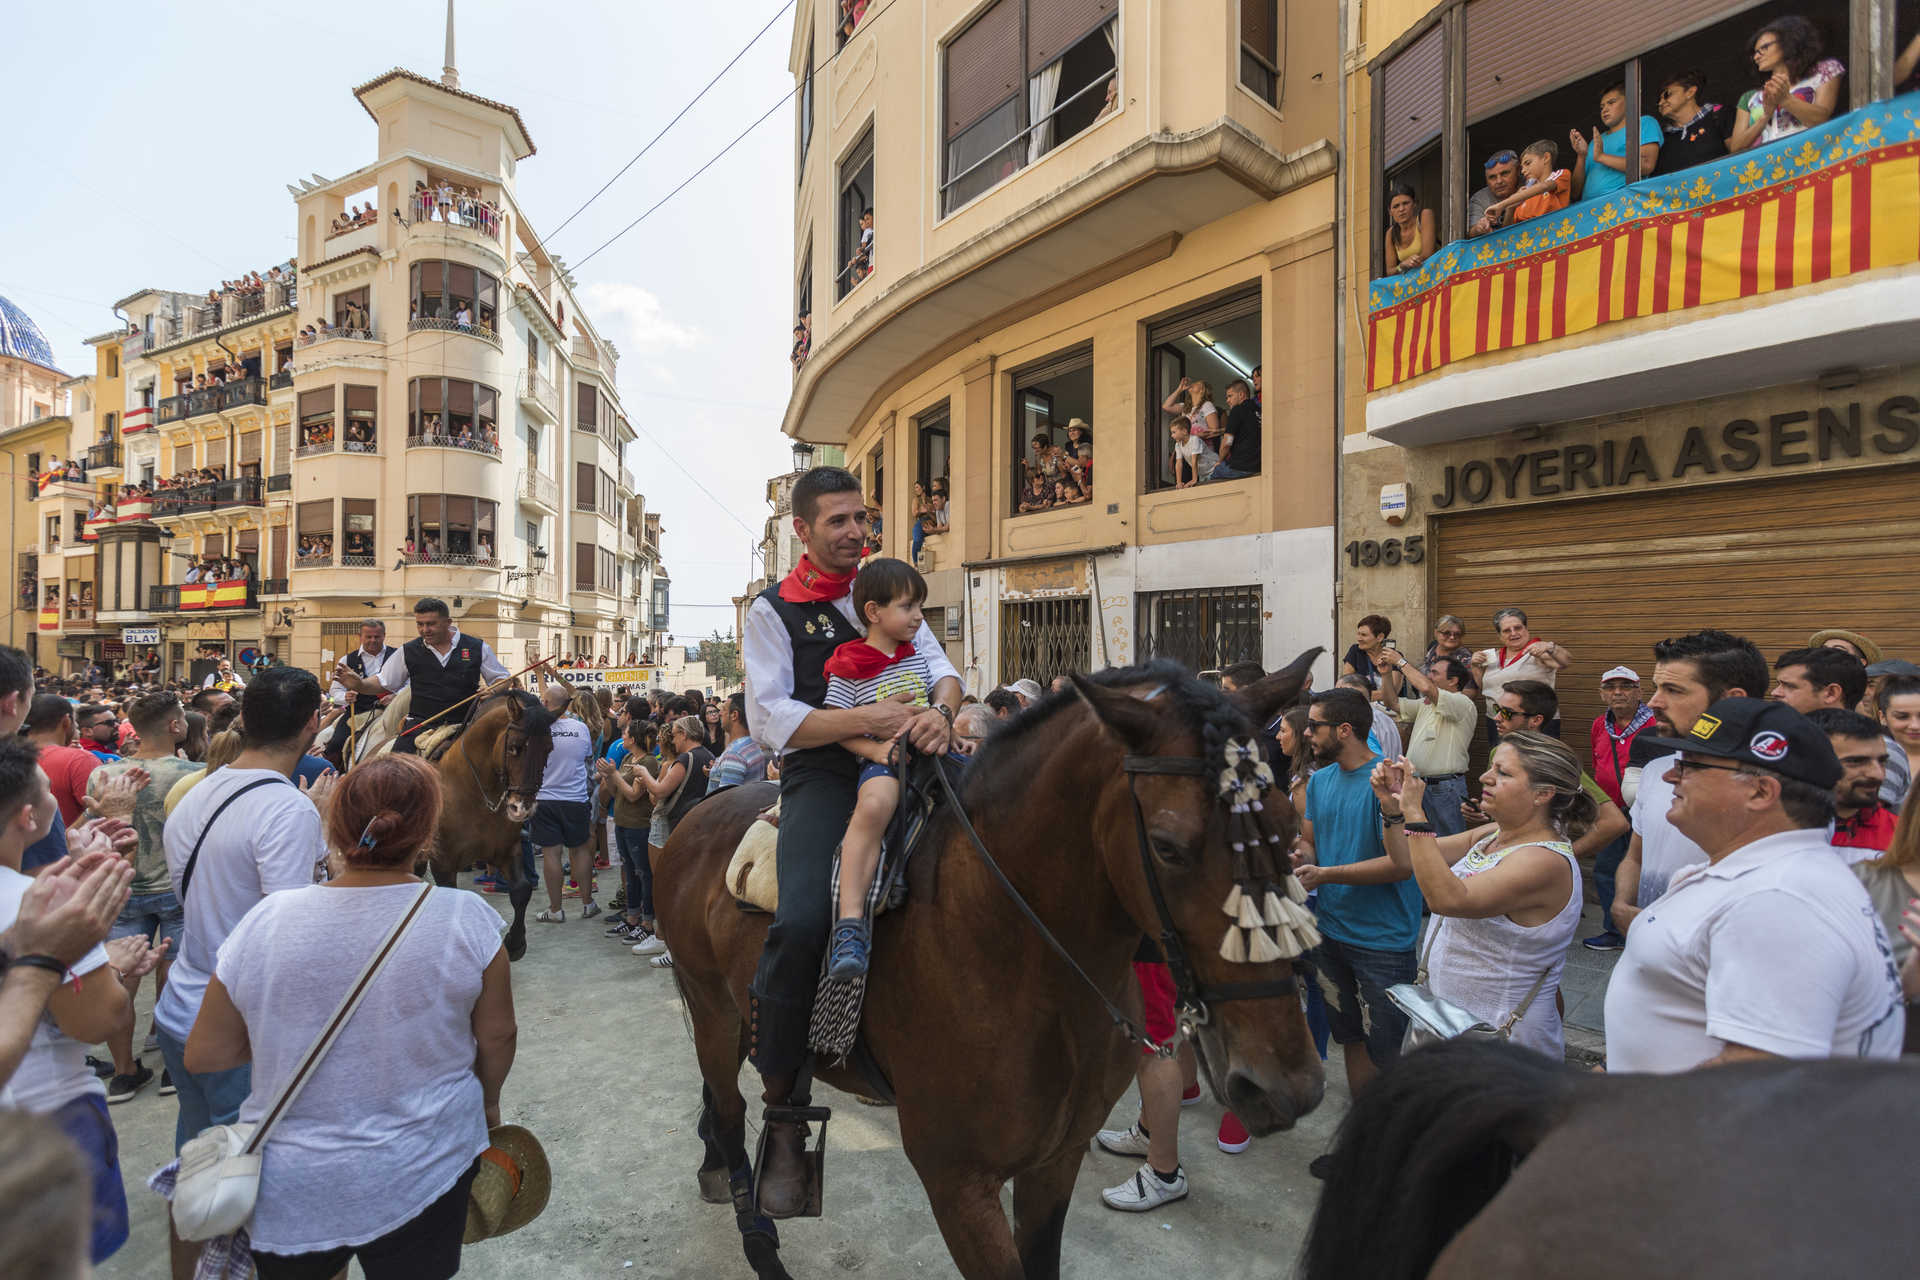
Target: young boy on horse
(882, 667)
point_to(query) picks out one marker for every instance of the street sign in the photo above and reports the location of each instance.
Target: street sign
(139, 635)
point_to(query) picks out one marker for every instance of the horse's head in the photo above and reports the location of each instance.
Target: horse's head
(520, 754)
(1216, 830)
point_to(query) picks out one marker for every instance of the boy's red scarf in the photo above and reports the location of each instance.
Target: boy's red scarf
(858, 660)
(808, 585)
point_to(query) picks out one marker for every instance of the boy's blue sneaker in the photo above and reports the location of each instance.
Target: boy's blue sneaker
(847, 950)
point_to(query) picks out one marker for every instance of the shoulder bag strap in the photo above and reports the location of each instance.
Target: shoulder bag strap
(186, 875)
(317, 1051)
(1565, 850)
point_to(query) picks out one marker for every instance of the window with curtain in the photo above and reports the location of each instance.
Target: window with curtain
(1022, 78)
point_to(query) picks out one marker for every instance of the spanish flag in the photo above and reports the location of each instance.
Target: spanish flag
(49, 619)
(226, 594)
(193, 596)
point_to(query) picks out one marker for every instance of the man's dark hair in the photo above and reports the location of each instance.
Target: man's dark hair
(150, 712)
(45, 711)
(18, 760)
(1537, 697)
(432, 604)
(16, 671)
(276, 707)
(1006, 700)
(737, 702)
(1346, 706)
(1457, 671)
(87, 712)
(1829, 666)
(1690, 78)
(1244, 673)
(815, 484)
(1844, 722)
(1618, 86)
(882, 580)
(205, 701)
(1241, 383)
(1724, 662)
(1893, 687)
(1806, 805)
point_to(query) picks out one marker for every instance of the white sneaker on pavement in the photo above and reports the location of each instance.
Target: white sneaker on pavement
(551, 917)
(1145, 1191)
(1123, 1142)
(650, 946)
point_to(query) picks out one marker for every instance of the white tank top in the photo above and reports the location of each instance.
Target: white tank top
(1488, 966)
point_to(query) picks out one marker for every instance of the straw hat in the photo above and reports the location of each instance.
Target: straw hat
(1854, 638)
(512, 1186)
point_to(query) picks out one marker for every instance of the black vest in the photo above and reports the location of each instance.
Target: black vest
(814, 631)
(357, 663)
(435, 688)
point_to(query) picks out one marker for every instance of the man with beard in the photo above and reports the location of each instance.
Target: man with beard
(1862, 825)
(1690, 674)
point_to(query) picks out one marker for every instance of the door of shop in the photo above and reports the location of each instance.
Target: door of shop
(1771, 560)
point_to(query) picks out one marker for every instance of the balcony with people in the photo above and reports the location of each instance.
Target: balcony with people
(354, 429)
(234, 385)
(351, 321)
(59, 478)
(213, 582)
(453, 413)
(252, 296)
(438, 203)
(450, 529)
(452, 297)
(196, 491)
(1701, 205)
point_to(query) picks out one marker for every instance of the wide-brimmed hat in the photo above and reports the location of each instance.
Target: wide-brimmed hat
(1854, 638)
(512, 1186)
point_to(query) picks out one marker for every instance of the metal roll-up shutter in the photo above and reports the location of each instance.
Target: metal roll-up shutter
(216, 454)
(250, 448)
(983, 65)
(1055, 365)
(1055, 26)
(1410, 88)
(1517, 49)
(1607, 577)
(1257, 23)
(282, 446)
(182, 458)
(1214, 311)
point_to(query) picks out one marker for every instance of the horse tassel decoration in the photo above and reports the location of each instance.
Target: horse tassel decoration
(1266, 894)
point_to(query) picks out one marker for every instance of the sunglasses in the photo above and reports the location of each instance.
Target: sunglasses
(1501, 157)
(1502, 713)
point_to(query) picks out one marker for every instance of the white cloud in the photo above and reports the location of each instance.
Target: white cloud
(635, 321)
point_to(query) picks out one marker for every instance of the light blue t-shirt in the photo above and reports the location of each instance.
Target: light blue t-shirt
(1600, 179)
(1346, 829)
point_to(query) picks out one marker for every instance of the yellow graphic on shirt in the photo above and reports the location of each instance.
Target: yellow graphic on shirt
(895, 680)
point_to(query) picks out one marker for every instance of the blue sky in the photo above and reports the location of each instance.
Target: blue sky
(151, 145)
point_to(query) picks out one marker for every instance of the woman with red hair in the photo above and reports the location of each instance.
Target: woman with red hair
(375, 1157)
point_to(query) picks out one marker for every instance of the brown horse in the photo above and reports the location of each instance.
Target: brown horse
(1482, 1161)
(1002, 1063)
(488, 778)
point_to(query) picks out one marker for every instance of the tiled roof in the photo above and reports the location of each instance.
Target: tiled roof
(401, 73)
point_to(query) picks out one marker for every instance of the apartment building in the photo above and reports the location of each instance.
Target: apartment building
(1688, 401)
(34, 427)
(1075, 204)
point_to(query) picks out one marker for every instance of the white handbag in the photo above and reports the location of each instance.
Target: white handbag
(219, 1175)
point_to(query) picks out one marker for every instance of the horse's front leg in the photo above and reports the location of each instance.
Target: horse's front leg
(1040, 1200)
(519, 894)
(975, 1227)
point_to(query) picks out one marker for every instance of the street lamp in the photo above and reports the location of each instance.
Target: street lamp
(802, 455)
(537, 557)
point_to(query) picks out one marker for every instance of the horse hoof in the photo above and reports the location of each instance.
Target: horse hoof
(515, 949)
(763, 1255)
(714, 1187)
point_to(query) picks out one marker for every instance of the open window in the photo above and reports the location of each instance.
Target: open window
(1210, 346)
(1052, 409)
(357, 530)
(855, 216)
(805, 100)
(1260, 42)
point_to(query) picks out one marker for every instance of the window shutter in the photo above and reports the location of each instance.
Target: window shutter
(586, 415)
(1257, 26)
(277, 552)
(182, 458)
(584, 480)
(216, 453)
(983, 65)
(316, 404)
(361, 401)
(250, 448)
(1410, 96)
(583, 565)
(282, 444)
(1518, 49)
(1055, 26)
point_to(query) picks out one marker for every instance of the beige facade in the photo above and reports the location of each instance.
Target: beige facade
(1638, 417)
(1039, 256)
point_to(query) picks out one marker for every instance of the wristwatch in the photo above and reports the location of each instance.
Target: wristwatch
(944, 710)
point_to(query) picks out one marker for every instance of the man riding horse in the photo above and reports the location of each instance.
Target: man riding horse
(791, 630)
(367, 662)
(443, 667)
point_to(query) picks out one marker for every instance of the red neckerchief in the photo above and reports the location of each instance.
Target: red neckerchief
(808, 585)
(1500, 652)
(858, 660)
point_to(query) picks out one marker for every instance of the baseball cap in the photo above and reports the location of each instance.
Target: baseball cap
(1893, 667)
(1029, 689)
(1767, 735)
(1620, 673)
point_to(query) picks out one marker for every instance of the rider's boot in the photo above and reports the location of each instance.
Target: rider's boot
(784, 1174)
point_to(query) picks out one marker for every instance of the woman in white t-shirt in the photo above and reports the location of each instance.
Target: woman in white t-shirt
(1520, 655)
(375, 1158)
(1505, 897)
(1802, 88)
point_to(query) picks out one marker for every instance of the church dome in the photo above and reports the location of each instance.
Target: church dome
(21, 338)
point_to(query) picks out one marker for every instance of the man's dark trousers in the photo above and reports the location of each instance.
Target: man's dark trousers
(817, 790)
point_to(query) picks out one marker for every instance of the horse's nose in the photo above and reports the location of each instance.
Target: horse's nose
(1268, 1108)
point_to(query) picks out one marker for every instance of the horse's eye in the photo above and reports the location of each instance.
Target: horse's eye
(1168, 849)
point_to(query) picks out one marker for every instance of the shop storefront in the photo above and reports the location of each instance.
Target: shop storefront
(1771, 514)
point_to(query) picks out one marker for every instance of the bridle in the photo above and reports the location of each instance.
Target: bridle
(507, 789)
(1251, 910)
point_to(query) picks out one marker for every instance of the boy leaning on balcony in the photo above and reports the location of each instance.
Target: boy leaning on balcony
(1544, 189)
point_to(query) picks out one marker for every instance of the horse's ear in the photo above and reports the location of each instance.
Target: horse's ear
(1128, 718)
(1267, 697)
(515, 711)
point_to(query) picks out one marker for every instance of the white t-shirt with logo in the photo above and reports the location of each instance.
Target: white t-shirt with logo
(54, 1070)
(1776, 947)
(267, 840)
(1664, 851)
(566, 776)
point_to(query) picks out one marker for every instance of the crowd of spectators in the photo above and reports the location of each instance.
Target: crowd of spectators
(354, 323)
(860, 265)
(451, 203)
(802, 340)
(280, 278)
(1799, 87)
(218, 569)
(458, 432)
(363, 216)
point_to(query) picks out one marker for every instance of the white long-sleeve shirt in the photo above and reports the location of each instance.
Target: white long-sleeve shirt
(394, 674)
(766, 654)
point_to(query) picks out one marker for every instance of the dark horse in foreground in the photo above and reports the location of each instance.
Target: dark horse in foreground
(1478, 1161)
(1003, 1064)
(488, 778)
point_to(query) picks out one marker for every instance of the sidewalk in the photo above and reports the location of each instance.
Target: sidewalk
(1583, 985)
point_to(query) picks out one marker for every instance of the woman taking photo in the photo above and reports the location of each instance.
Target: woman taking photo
(1505, 897)
(375, 1157)
(1195, 399)
(1363, 655)
(679, 785)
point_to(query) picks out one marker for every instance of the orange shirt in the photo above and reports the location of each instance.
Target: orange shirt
(1555, 195)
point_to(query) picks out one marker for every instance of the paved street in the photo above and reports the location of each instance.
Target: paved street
(605, 1075)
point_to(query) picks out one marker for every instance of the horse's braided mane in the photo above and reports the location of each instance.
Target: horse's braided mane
(1204, 708)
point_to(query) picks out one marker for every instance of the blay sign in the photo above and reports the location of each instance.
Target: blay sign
(139, 635)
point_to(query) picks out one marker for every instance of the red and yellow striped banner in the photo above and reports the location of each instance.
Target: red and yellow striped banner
(213, 595)
(49, 619)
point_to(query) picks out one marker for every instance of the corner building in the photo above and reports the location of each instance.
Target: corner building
(1076, 203)
(1689, 402)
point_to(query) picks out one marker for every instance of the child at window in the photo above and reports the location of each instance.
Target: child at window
(1193, 459)
(887, 596)
(1545, 189)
